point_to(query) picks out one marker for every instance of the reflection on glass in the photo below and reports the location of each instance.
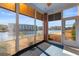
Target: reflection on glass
(26, 31)
(54, 30)
(70, 33)
(39, 31)
(7, 33)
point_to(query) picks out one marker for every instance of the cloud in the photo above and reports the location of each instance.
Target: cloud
(2, 12)
(9, 14)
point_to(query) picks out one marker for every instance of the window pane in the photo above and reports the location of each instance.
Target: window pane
(7, 33)
(70, 12)
(39, 31)
(70, 33)
(54, 30)
(26, 31)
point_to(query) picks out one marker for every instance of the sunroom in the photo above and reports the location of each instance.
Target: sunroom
(39, 29)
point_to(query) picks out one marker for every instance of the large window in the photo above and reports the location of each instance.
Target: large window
(70, 12)
(26, 31)
(54, 30)
(7, 32)
(70, 33)
(39, 31)
(30, 32)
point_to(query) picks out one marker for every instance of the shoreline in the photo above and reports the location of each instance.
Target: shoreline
(24, 42)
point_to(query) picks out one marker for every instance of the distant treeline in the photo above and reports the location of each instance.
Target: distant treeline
(56, 28)
(3, 28)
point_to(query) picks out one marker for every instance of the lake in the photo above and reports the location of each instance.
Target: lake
(54, 31)
(4, 36)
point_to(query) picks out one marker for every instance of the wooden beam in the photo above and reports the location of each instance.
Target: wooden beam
(45, 26)
(17, 28)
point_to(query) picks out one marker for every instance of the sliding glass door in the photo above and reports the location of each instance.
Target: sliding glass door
(70, 32)
(70, 24)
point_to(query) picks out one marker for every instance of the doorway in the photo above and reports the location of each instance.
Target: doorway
(69, 32)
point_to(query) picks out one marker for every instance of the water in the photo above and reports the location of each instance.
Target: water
(54, 31)
(4, 36)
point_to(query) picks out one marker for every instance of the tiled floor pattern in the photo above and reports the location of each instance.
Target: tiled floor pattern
(50, 49)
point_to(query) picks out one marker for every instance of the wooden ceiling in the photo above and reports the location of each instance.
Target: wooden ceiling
(49, 4)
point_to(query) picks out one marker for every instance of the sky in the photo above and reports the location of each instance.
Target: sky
(66, 13)
(70, 12)
(68, 23)
(9, 17)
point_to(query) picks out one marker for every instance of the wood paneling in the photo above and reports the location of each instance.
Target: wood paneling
(9, 6)
(27, 10)
(56, 16)
(39, 15)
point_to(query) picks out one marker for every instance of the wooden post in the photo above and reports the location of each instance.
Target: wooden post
(45, 26)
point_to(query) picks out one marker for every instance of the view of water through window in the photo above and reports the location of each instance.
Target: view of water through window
(54, 30)
(7, 36)
(29, 33)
